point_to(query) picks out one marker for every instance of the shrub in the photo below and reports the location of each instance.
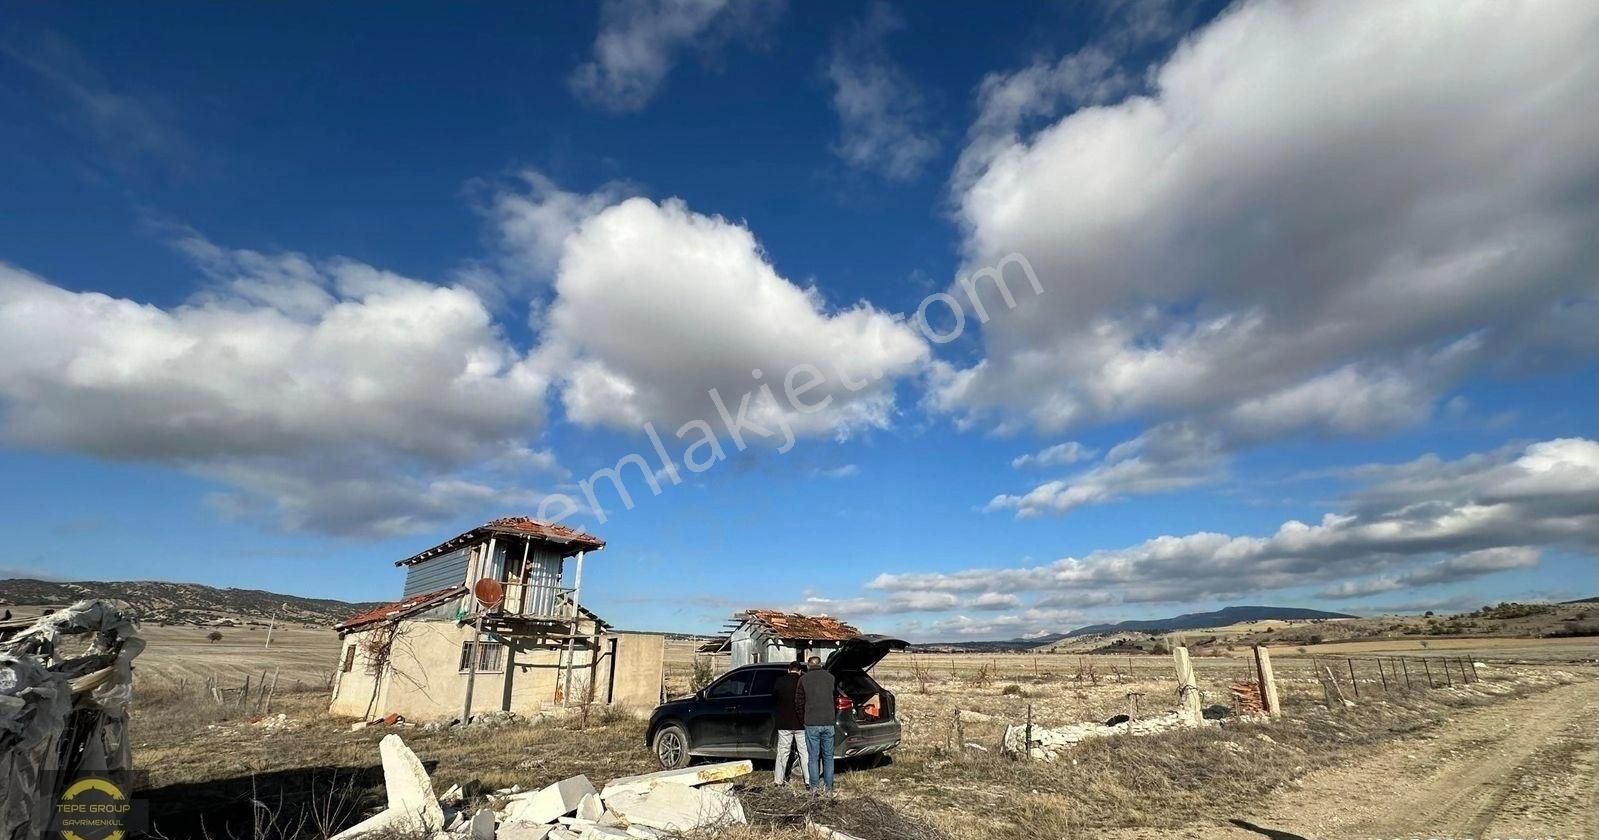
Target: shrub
(1012, 690)
(214, 636)
(702, 674)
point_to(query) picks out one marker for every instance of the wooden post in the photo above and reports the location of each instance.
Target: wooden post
(271, 691)
(1474, 677)
(1447, 680)
(1404, 663)
(1268, 682)
(1027, 744)
(1381, 675)
(1352, 681)
(471, 668)
(1428, 668)
(1187, 688)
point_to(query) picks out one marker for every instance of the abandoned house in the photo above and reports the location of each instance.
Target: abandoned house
(491, 620)
(755, 636)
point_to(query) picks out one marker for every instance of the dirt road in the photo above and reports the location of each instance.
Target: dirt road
(1523, 768)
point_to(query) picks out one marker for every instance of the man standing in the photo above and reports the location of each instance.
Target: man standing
(818, 705)
(790, 723)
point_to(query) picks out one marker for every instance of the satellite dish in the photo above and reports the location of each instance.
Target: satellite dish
(489, 592)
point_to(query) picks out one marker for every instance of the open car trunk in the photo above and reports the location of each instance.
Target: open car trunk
(849, 665)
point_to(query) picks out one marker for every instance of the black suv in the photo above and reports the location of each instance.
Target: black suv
(733, 717)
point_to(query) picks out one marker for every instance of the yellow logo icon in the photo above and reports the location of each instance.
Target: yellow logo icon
(92, 809)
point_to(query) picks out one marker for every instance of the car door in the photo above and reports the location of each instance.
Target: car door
(716, 727)
(757, 714)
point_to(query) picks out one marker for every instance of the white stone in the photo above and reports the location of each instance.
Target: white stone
(409, 789)
(382, 824)
(549, 804)
(523, 831)
(673, 807)
(590, 807)
(686, 777)
(602, 832)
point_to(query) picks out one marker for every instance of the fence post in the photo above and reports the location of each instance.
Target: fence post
(1268, 682)
(1473, 670)
(1187, 689)
(1428, 668)
(1447, 681)
(1352, 681)
(1382, 676)
(1404, 662)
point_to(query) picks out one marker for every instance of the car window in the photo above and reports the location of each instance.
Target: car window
(764, 683)
(733, 685)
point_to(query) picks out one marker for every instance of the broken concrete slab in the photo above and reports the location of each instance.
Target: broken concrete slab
(676, 807)
(591, 808)
(602, 832)
(686, 777)
(523, 831)
(384, 823)
(549, 804)
(409, 789)
(483, 825)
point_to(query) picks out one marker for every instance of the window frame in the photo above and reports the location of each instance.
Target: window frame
(479, 657)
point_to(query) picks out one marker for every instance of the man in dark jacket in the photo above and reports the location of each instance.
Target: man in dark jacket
(818, 705)
(790, 722)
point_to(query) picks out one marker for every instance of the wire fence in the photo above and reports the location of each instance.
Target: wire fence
(1351, 677)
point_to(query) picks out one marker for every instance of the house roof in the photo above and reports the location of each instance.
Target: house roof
(571, 539)
(796, 626)
(400, 609)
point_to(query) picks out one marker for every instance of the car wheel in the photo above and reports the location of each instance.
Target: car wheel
(671, 747)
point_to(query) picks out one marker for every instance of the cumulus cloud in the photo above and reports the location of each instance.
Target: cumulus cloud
(1061, 454)
(533, 222)
(331, 395)
(883, 122)
(1424, 523)
(1164, 458)
(656, 306)
(1286, 232)
(640, 40)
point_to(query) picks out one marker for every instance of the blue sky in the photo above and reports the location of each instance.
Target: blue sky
(287, 294)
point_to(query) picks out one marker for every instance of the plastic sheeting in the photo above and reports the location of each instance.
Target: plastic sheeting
(62, 718)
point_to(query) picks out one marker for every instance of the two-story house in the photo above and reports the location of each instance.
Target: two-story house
(492, 620)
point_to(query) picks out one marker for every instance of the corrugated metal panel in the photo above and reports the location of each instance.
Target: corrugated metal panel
(543, 581)
(438, 573)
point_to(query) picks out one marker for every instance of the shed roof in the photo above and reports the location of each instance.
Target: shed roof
(801, 627)
(570, 539)
(400, 609)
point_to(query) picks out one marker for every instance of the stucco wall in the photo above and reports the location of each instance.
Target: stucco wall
(423, 680)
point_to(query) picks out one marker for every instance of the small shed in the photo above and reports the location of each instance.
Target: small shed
(755, 636)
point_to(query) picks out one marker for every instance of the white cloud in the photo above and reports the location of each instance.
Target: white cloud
(639, 42)
(657, 305)
(533, 224)
(1420, 524)
(841, 471)
(333, 395)
(1322, 216)
(1059, 455)
(1167, 457)
(883, 122)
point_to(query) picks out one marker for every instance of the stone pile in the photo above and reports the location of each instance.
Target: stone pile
(1048, 743)
(651, 806)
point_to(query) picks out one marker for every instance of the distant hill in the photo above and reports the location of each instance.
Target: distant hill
(1199, 621)
(182, 603)
(989, 646)
(1593, 600)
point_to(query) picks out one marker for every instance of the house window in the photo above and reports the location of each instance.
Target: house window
(490, 657)
(349, 658)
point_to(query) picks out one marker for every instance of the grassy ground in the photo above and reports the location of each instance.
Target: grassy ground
(205, 765)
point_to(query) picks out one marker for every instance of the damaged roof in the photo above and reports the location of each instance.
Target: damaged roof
(796, 626)
(570, 539)
(400, 609)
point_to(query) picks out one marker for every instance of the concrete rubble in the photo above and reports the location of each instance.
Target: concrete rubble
(1048, 743)
(651, 806)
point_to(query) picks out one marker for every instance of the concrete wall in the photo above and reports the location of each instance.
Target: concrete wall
(639, 668)
(423, 680)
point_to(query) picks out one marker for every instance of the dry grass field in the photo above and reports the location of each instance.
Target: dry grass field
(212, 771)
(180, 656)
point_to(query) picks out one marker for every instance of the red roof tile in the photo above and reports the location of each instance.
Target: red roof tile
(400, 609)
(520, 526)
(796, 626)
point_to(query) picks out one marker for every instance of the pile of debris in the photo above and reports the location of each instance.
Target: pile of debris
(1047, 744)
(651, 806)
(62, 717)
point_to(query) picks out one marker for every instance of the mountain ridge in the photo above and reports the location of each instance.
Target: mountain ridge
(182, 603)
